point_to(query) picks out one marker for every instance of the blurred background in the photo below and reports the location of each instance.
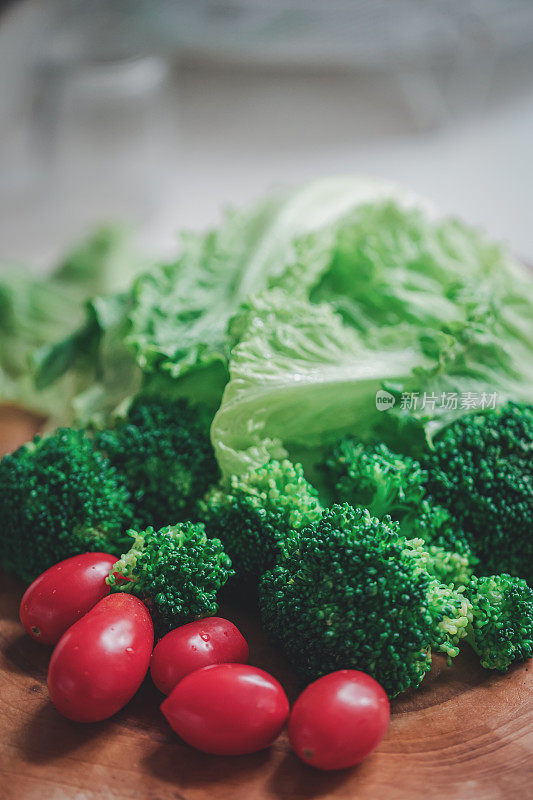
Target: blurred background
(157, 112)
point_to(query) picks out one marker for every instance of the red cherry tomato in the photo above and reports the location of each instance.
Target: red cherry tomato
(227, 709)
(100, 662)
(198, 644)
(339, 719)
(63, 594)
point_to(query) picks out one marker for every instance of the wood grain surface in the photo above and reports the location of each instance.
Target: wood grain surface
(466, 734)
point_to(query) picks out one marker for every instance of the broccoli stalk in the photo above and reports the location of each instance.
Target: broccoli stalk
(177, 571)
(58, 497)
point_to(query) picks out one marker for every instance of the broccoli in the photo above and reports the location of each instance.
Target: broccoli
(501, 629)
(58, 497)
(351, 592)
(262, 509)
(447, 565)
(371, 475)
(164, 451)
(177, 571)
(387, 483)
(481, 468)
(452, 557)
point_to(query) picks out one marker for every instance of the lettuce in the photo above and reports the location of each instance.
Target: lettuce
(180, 311)
(404, 304)
(309, 303)
(36, 312)
(389, 264)
(469, 304)
(96, 358)
(172, 328)
(299, 378)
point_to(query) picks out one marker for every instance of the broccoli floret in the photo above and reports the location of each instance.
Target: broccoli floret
(351, 592)
(177, 571)
(388, 483)
(164, 451)
(501, 629)
(481, 468)
(449, 566)
(371, 475)
(453, 560)
(252, 536)
(58, 497)
(260, 511)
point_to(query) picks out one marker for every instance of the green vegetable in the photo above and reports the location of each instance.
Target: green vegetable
(164, 451)
(482, 469)
(181, 311)
(177, 571)
(391, 265)
(467, 301)
(501, 629)
(428, 306)
(36, 312)
(59, 497)
(280, 327)
(353, 593)
(96, 359)
(300, 379)
(385, 482)
(174, 322)
(260, 512)
(453, 559)
(374, 476)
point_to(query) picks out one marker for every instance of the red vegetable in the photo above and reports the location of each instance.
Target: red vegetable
(339, 719)
(198, 644)
(227, 709)
(100, 662)
(63, 594)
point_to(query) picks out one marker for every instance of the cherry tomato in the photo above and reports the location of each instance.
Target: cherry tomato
(339, 719)
(198, 644)
(63, 594)
(100, 662)
(227, 709)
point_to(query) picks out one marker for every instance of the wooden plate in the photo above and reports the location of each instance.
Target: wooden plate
(466, 734)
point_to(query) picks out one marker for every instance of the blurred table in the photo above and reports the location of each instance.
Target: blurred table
(211, 133)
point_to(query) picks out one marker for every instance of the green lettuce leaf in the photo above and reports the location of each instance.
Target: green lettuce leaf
(177, 318)
(300, 378)
(390, 264)
(180, 311)
(36, 312)
(106, 372)
(469, 302)
(430, 304)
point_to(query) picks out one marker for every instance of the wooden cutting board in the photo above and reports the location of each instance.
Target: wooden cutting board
(466, 734)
